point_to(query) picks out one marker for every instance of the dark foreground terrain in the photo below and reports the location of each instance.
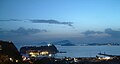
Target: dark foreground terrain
(46, 60)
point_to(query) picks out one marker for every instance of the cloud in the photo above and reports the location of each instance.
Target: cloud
(11, 20)
(21, 32)
(107, 36)
(113, 33)
(51, 22)
(22, 35)
(24, 31)
(95, 34)
(42, 21)
(107, 32)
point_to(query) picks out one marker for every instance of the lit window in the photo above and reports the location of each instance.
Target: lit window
(11, 59)
(44, 53)
(34, 54)
(16, 60)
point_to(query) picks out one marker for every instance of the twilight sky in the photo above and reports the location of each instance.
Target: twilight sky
(51, 20)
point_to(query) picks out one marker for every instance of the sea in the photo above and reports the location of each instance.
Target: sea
(87, 51)
(84, 51)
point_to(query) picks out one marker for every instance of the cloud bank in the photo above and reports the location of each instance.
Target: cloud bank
(107, 35)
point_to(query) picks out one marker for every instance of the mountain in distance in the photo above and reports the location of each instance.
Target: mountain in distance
(101, 44)
(64, 43)
(68, 44)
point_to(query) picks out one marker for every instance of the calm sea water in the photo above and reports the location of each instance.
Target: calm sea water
(84, 51)
(87, 51)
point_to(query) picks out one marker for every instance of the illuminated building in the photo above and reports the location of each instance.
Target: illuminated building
(34, 51)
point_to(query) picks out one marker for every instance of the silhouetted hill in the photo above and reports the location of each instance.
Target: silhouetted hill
(64, 43)
(9, 51)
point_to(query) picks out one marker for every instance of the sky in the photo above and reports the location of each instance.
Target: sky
(54, 20)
